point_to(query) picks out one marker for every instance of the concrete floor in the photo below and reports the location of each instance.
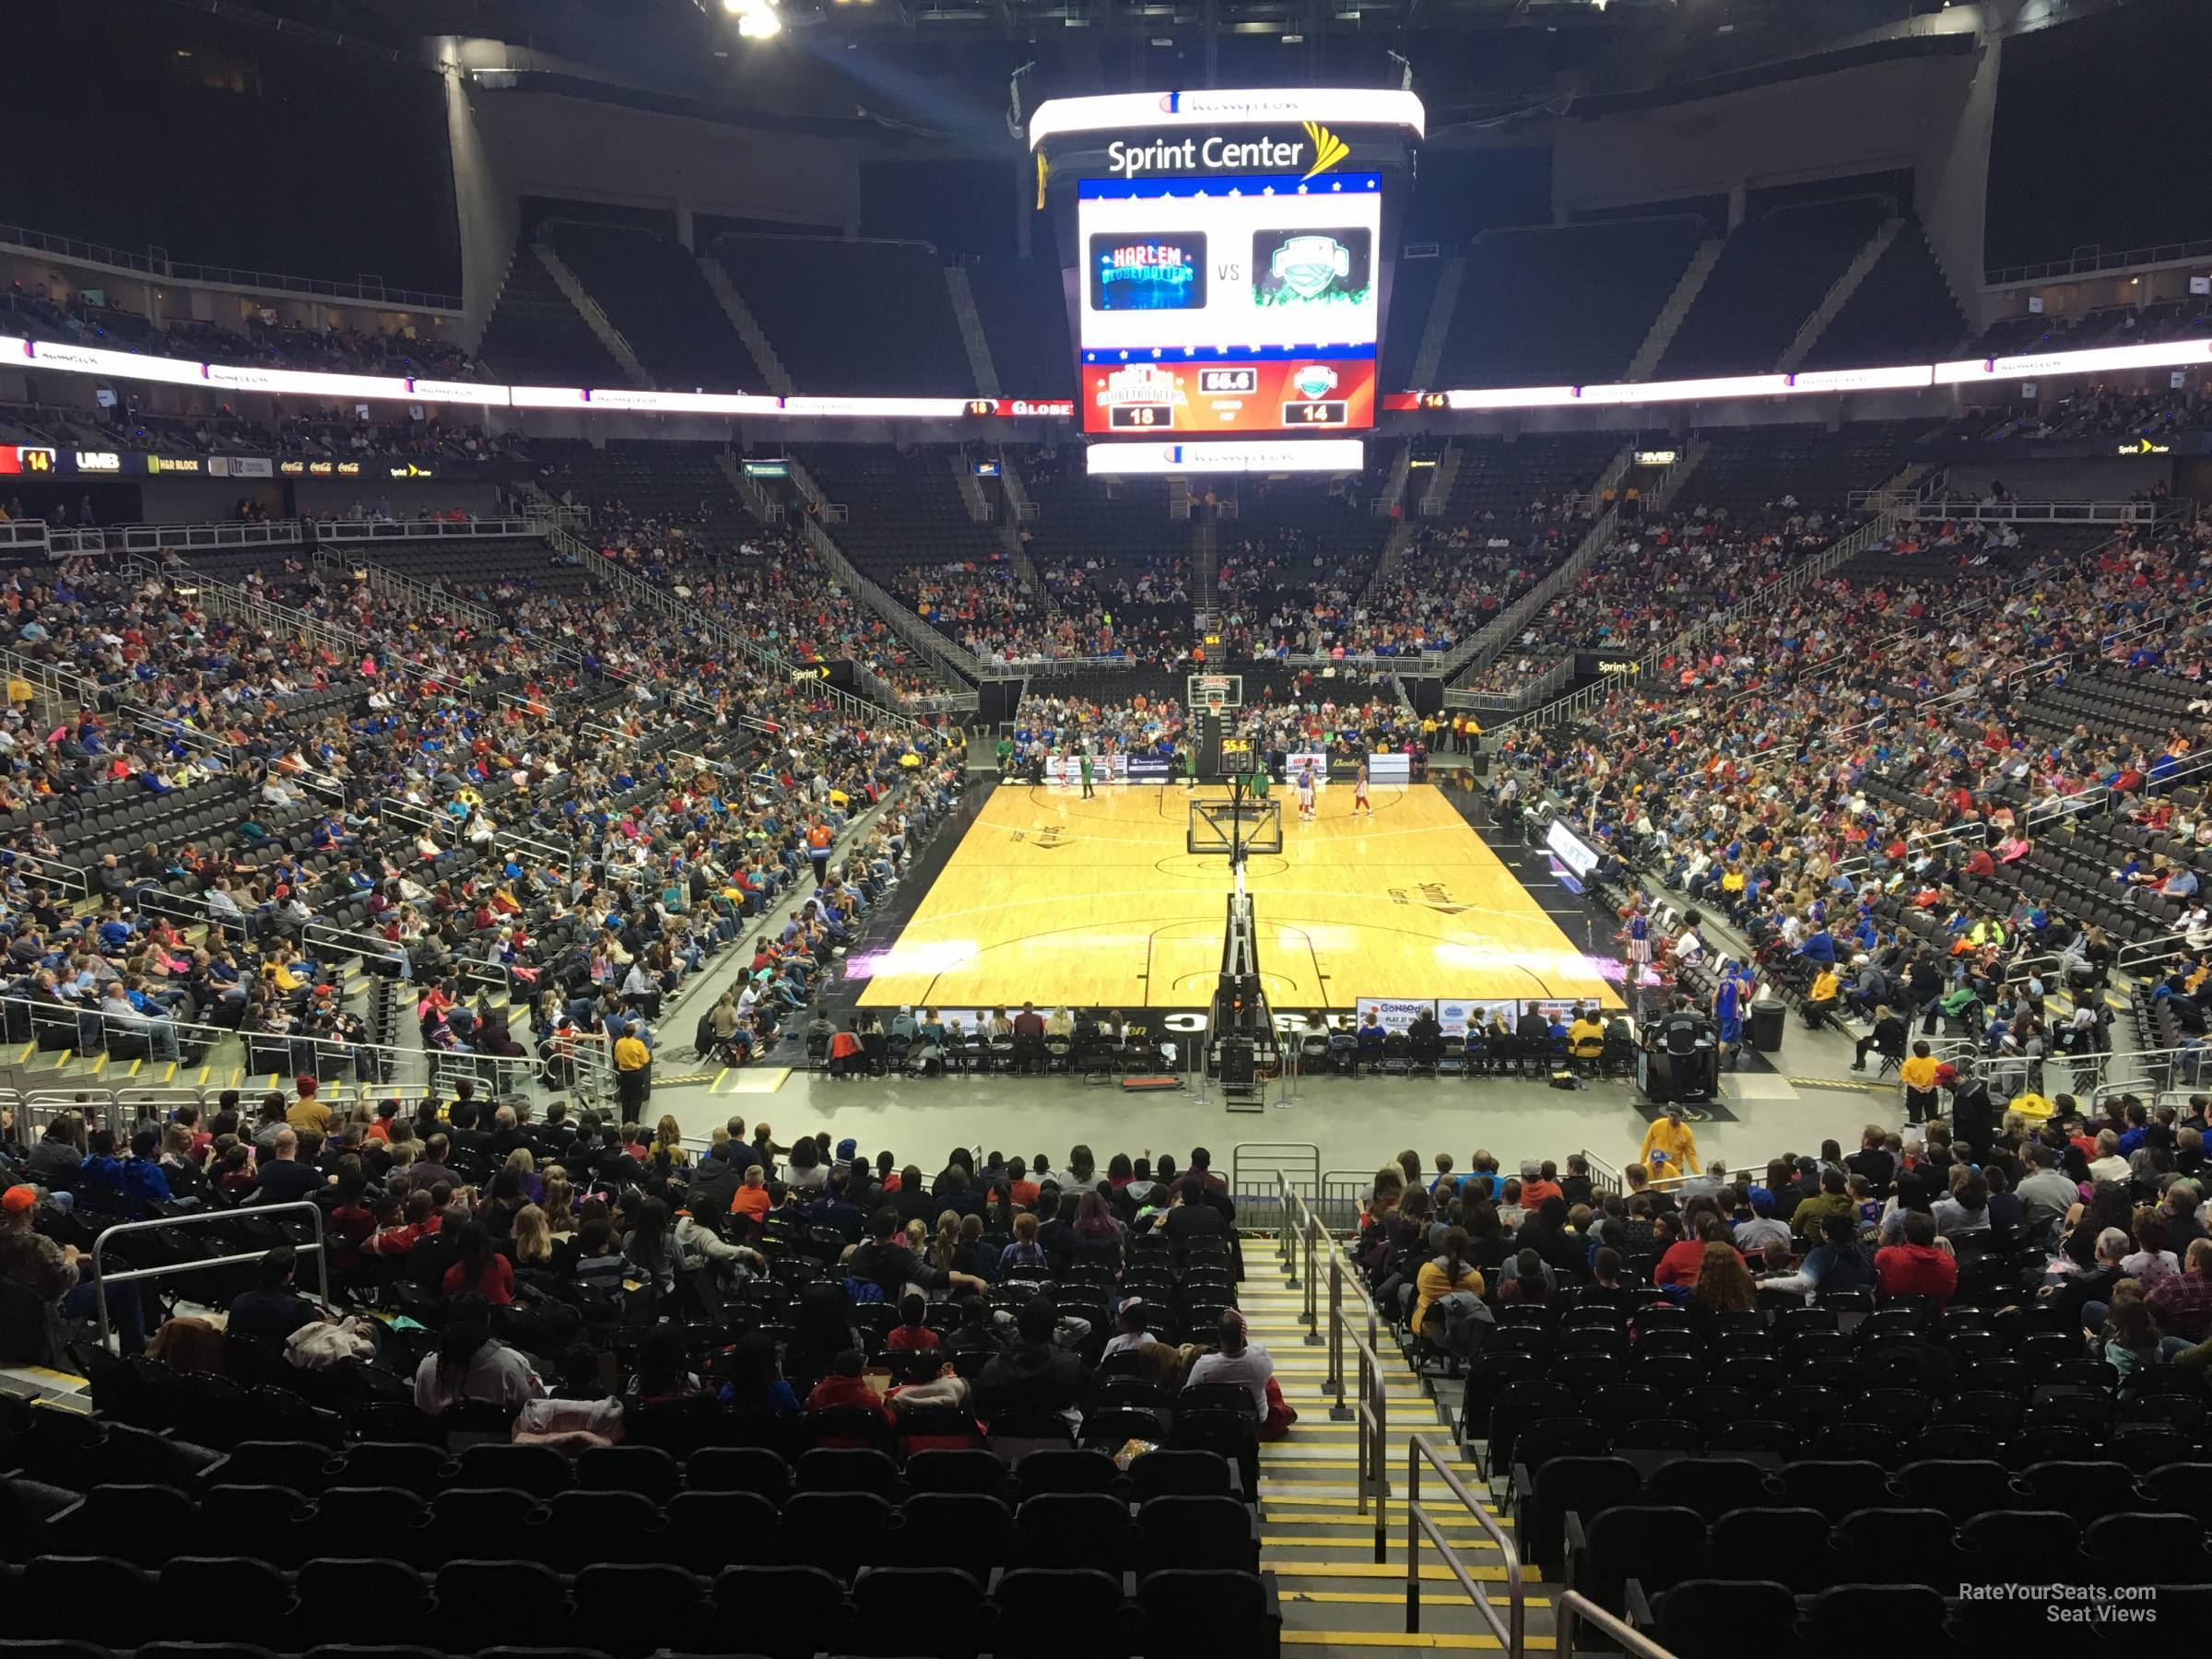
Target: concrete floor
(1355, 1123)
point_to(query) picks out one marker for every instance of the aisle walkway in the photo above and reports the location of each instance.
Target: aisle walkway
(1336, 1595)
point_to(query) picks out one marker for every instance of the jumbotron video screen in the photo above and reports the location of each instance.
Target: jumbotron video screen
(1245, 304)
(1228, 254)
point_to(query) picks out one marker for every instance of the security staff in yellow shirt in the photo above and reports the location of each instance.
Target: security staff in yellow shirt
(1918, 1075)
(633, 1072)
(1821, 1000)
(1673, 1138)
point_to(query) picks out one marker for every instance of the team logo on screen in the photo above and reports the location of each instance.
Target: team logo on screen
(1142, 384)
(1311, 267)
(1315, 380)
(1148, 273)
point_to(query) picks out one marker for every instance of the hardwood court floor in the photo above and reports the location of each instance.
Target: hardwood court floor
(1061, 901)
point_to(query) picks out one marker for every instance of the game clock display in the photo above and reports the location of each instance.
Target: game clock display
(1302, 394)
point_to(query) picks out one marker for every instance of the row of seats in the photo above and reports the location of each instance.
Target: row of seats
(246, 1608)
(651, 1472)
(1835, 1489)
(1716, 1618)
(698, 1529)
(1808, 1552)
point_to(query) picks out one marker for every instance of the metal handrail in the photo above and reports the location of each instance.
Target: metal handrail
(1571, 1605)
(352, 531)
(1510, 1630)
(101, 1279)
(1282, 1159)
(368, 290)
(1371, 1409)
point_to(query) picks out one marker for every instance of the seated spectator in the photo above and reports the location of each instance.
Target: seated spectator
(274, 1309)
(1921, 1266)
(470, 1364)
(846, 1388)
(912, 1331)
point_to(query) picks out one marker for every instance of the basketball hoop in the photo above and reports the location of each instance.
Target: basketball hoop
(1215, 693)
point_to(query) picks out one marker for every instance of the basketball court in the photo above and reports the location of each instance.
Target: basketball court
(1062, 902)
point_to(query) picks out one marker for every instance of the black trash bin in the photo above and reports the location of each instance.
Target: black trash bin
(1766, 1026)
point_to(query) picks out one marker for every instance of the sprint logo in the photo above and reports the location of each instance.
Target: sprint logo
(1328, 149)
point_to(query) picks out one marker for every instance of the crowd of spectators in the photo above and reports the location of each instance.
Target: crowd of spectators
(995, 1288)
(1859, 776)
(1653, 577)
(2092, 1216)
(573, 807)
(1340, 719)
(767, 585)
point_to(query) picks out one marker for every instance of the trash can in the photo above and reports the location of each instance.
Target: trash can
(1766, 1026)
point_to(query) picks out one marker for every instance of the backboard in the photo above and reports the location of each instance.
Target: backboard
(1213, 693)
(1219, 827)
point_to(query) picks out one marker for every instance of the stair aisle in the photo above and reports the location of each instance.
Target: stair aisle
(1336, 1595)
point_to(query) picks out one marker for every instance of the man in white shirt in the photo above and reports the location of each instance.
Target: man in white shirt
(1236, 1359)
(2108, 1165)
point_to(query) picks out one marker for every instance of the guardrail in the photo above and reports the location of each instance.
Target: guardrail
(162, 538)
(365, 290)
(412, 594)
(1572, 1604)
(2093, 259)
(102, 1279)
(1942, 509)
(66, 685)
(92, 1031)
(1510, 1629)
(1257, 1170)
(345, 531)
(1302, 1232)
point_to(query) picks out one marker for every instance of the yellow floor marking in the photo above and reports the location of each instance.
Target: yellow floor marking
(1398, 1639)
(1454, 1597)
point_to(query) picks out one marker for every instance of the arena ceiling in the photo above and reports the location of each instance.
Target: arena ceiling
(1461, 51)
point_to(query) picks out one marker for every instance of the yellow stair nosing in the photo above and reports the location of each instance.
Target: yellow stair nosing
(1431, 1571)
(1365, 1541)
(1398, 1639)
(1456, 1597)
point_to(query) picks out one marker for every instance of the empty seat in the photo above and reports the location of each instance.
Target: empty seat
(841, 1531)
(955, 1529)
(254, 1607)
(1045, 1613)
(1719, 1619)
(1196, 1531)
(1214, 1612)
(848, 1469)
(484, 1604)
(386, 1601)
(708, 1531)
(785, 1612)
(1070, 1470)
(633, 1610)
(1075, 1529)
(956, 1471)
(888, 1600)
(737, 1469)
(1839, 1620)
(538, 1470)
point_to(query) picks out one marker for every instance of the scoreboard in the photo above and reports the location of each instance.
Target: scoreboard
(1228, 255)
